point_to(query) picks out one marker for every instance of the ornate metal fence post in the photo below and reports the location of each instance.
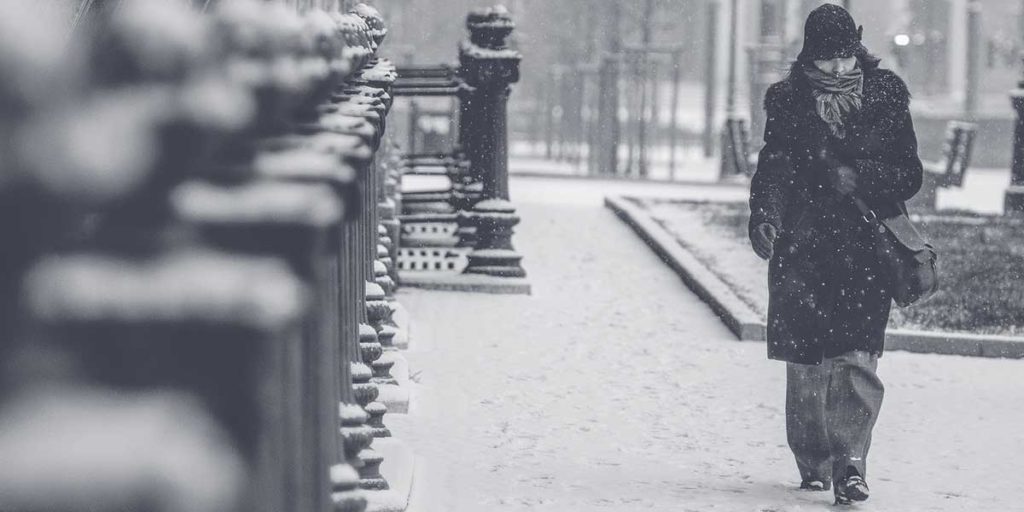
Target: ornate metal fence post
(489, 68)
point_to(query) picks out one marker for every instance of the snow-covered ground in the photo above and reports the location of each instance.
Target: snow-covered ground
(613, 388)
(691, 164)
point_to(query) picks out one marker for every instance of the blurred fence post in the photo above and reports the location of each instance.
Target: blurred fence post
(234, 269)
(297, 227)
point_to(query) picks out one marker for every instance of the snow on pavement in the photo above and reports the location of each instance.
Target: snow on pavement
(613, 388)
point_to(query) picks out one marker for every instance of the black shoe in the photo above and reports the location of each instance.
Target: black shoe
(852, 488)
(815, 485)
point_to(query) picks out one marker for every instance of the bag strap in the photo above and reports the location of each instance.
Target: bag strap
(866, 212)
(899, 226)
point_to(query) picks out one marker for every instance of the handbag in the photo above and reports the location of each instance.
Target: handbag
(909, 259)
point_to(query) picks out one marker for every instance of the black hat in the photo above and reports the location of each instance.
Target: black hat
(830, 33)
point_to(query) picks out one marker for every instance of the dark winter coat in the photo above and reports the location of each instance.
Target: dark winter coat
(827, 292)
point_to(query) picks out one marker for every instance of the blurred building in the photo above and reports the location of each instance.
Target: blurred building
(926, 41)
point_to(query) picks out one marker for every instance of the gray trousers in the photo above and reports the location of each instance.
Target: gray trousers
(830, 411)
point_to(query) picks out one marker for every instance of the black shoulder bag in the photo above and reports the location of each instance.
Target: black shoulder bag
(903, 251)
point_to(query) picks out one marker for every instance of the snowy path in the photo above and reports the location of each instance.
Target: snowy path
(613, 388)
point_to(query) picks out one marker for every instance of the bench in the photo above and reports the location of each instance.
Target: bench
(950, 170)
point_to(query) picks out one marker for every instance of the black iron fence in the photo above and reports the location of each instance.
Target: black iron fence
(198, 266)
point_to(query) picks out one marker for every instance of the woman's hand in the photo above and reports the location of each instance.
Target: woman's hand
(762, 238)
(843, 178)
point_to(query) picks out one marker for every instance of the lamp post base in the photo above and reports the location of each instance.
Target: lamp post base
(494, 255)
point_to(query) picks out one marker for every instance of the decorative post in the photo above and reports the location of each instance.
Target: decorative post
(488, 68)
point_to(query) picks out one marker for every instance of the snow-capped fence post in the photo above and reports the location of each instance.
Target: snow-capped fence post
(386, 215)
(233, 256)
(148, 305)
(325, 271)
(347, 129)
(179, 319)
(350, 127)
(488, 68)
(353, 138)
(390, 223)
(378, 76)
(298, 223)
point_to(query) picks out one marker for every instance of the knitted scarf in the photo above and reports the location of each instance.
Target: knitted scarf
(836, 95)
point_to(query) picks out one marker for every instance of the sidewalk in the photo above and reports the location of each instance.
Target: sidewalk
(613, 388)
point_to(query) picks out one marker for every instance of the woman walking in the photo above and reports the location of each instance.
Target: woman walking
(838, 128)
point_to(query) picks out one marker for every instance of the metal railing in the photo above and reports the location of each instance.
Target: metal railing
(196, 288)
